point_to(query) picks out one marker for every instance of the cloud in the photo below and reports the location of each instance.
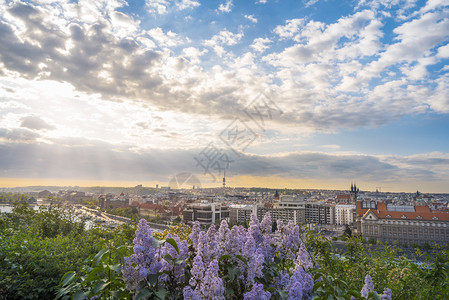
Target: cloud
(223, 38)
(162, 7)
(326, 76)
(187, 4)
(157, 6)
(18, 135)
(226, 7)
(260, 44)
(251, 18)
(36, 123)
(92, 159)
(290, 29)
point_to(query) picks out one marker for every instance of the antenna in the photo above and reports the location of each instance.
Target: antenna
(224, 178)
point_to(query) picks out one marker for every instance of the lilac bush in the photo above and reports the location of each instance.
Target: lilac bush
(224, 263)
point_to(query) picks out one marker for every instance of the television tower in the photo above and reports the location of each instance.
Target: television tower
(224, 179)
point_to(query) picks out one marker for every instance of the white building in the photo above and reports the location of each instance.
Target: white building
(344, 214)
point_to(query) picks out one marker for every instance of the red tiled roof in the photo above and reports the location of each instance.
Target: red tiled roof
(424, 211)
(344, 197)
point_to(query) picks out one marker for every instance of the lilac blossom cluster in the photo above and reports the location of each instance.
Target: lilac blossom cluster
(251, 251)
(246, 253)
(369, 286)
(150, 259)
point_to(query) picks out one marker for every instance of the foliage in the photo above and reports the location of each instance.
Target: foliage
(38, 247)
(12, 197)
(180, 230)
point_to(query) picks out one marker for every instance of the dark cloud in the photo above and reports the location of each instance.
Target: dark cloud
(34, 122)
(79, 158)
(18, 135)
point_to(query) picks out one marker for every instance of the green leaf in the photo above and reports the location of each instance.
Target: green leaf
(172, 242)
(157, 242)
(161, 293)
(101, 286)
(152, 279)
(242, 259)
(117, 268)
(168, 257)
(99, 256)
(143, 294)
(223, 257)
(80, 295)
(67, 278)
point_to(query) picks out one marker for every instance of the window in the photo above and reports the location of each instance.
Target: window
(403, 217)
(388, 216)
(419, 217)
(435, 218)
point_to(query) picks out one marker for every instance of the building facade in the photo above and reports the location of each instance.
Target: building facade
(205, 213)
(319, 213)
(403, 224)
(239, 213)
(344, 214)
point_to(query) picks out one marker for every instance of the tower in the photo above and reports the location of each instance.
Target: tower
(224, 179)
(354, 193)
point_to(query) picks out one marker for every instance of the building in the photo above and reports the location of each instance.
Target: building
(239, 213)
(344, 214)
(403, 224)
(319, 213)
(281, 213)
(205, 213)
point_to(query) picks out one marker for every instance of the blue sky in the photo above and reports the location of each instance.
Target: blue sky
(305, 94)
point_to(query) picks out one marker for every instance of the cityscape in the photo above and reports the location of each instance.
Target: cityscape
(403, 219)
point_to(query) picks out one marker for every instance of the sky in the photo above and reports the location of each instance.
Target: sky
(276, 93)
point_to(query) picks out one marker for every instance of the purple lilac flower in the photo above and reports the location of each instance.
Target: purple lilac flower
(236, 241)
(190, 294)
(302, 258)
(211, 235)
(282, 281)
(197, 271)
(267, 248)
(266, 225)
(369, 286)
(306, 281)
(222, 239)
(289, 241)
(386, 295)
(254, 229)
(255, 266)
(295, 291)
(142, 262)
(203, 247)
(195, 234)
(257, 293)
(211, 287)
(130, 274)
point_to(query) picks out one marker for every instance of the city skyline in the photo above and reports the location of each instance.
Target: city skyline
(295, 94)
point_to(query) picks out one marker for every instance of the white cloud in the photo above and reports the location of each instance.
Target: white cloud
(168, 39)
(163, 6)
(251, 18)
(260, 44)
(187, 4)
(226, 7)
(224, 37)
(290, 29)
(157, 6)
